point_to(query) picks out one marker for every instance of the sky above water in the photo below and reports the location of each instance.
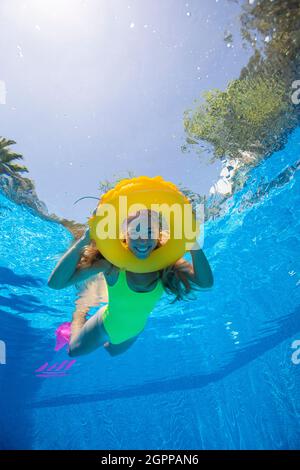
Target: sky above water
(92, 89)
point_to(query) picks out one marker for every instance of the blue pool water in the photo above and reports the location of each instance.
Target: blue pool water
(212, 373)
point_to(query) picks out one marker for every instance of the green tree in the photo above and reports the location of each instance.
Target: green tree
(255, 113)
(239, 118)
(8, 159)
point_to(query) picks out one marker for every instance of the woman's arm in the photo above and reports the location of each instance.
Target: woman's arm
(202, 273)
(199, 272)
(65, 273)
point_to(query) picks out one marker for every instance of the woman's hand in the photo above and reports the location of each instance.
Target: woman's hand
(66, 267)
(195, 246)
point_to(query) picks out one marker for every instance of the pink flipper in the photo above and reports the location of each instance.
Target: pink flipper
(63, 334)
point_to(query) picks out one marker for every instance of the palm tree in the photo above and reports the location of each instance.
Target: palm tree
(8, 158)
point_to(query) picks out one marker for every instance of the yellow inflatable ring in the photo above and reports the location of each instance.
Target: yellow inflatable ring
(140, 193)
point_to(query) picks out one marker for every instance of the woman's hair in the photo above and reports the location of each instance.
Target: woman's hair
(176, 282)
(174, 278)
(89, 255)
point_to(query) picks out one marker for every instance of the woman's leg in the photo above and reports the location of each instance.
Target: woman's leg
(87, 335)
(116, 349)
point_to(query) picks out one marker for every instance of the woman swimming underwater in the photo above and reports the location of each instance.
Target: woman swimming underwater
(132, 296)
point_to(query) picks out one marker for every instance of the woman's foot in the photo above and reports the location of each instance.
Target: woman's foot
(63, 335)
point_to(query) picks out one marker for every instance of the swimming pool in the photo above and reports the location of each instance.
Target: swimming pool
(212, 373)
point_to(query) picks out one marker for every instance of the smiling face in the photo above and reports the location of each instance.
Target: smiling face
(142, 236)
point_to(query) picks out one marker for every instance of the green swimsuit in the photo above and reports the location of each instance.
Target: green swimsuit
(127, 312)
